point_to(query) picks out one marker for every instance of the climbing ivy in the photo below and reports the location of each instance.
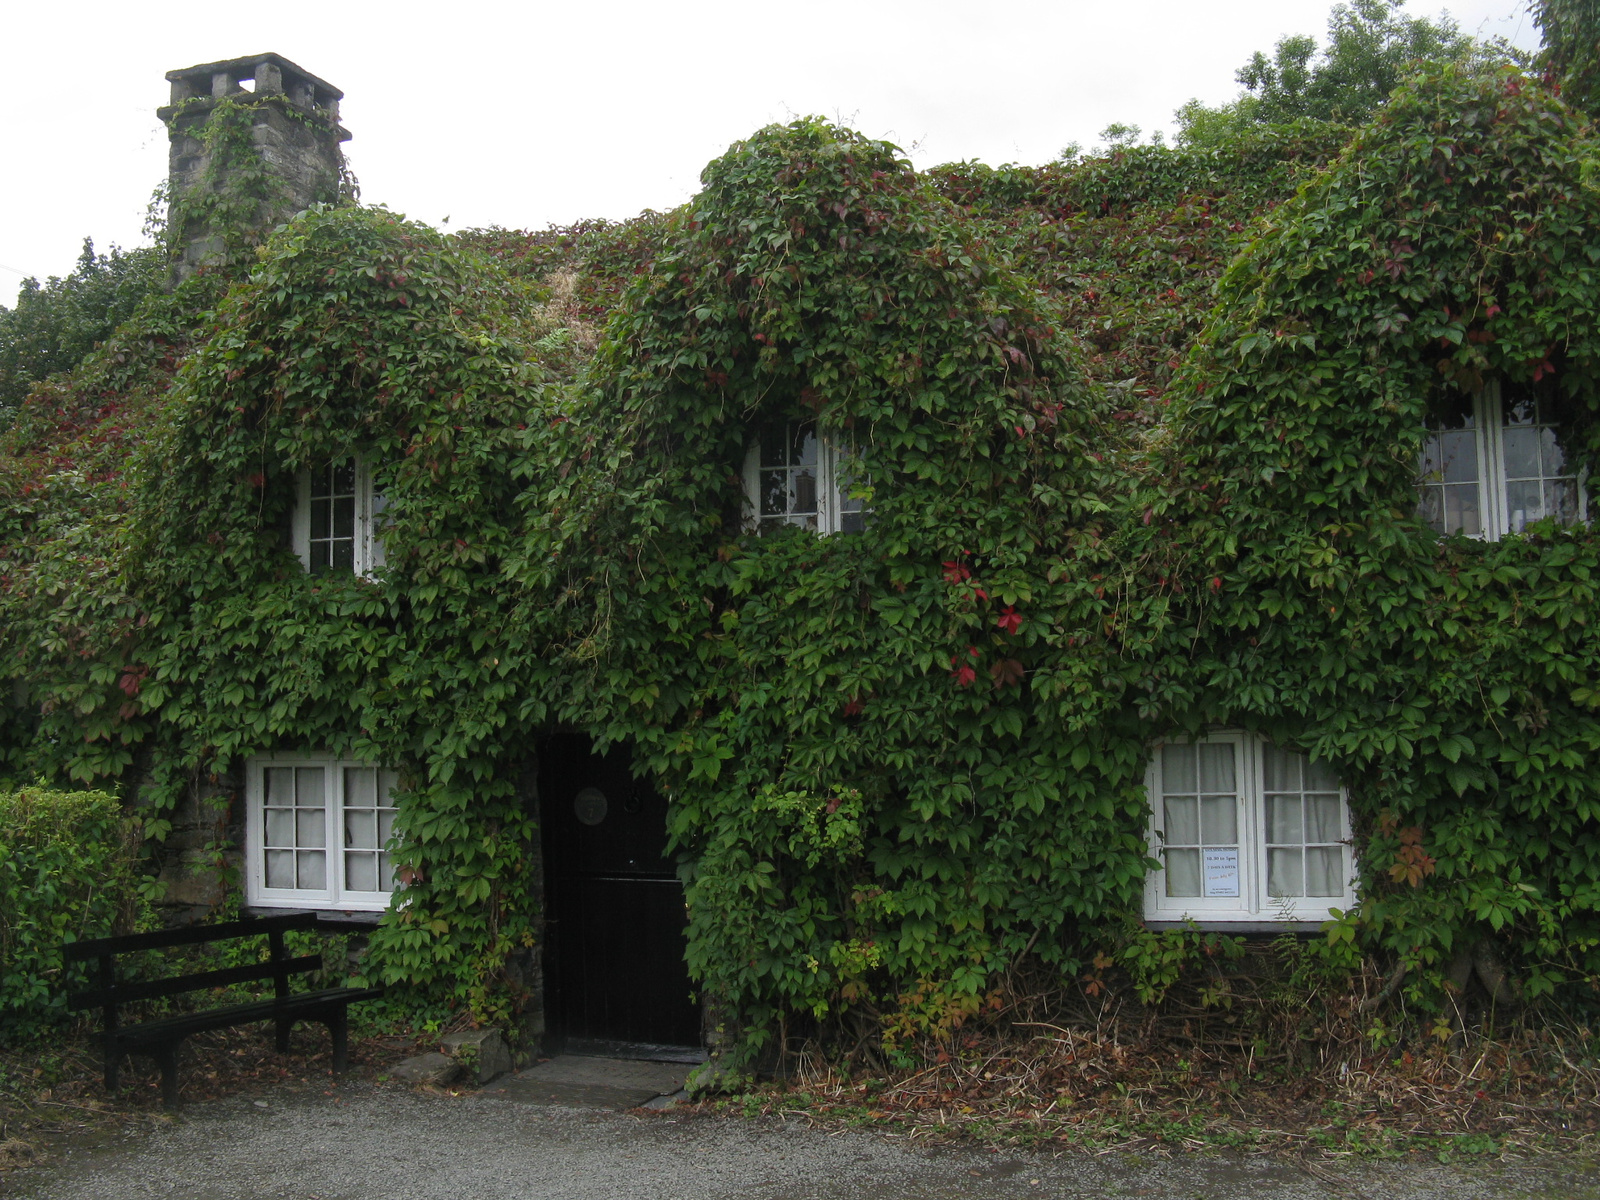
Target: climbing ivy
(1138, 438)
(1448, 680)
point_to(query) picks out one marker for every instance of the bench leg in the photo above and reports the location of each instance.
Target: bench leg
(339, 1028)
(167, 1056)
(285, 1024)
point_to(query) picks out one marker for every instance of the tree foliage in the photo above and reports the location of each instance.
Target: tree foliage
(54, 325)
(1371, 46)
(1571, 55)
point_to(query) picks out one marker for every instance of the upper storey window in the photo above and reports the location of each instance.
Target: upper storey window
(795, 476)
(1494, 463)
(338, 519)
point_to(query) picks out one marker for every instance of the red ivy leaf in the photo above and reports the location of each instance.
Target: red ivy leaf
(1008, 672)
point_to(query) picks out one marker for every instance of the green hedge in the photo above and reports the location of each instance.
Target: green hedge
(67, 871)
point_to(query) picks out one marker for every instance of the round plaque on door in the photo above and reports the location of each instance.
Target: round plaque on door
(590, 806)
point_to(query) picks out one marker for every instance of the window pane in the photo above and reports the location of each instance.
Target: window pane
(344, 517)
(803, 444)
(1522, 451)
(280, 827)
(308, 787)
(280, 868)
(280, 785)
(385, 826)
(852, 522)
(313, 869)
(1553, 459)
(1183, 828)
(1324, 866)
(361, 872)
(361, 829)
(1283, 820)
(805, 492)
(774, 493)
(1183, 872)
(1458, 457)
(1282, 770)
(1461, 510)
(1284, 873)
(321, 521)
(310, 827)
(1320, 777)
(1561, 500)
(1219, 821)
(321, 557)
(1322, 818)
(1524, 504)
(360, 787)
(1177, 770)
(1216, 767)
(1538, 482)
(344, 555)
(1430, 507)
(343, 474)
(1448, 471)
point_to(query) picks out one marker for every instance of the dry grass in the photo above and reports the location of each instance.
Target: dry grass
(1231, 1060)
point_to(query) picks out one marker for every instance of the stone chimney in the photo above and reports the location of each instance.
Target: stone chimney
(294, 131)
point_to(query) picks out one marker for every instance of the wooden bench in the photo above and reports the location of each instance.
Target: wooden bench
(161, 1038)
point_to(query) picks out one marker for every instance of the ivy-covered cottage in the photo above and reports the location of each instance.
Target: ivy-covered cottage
(858, 587)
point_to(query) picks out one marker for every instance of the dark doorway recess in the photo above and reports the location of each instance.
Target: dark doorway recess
(615, 980)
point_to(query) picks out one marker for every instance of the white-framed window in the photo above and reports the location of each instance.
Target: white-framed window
(1246, 832)
(317, 833)
(338, 519)
(1493, 463)
(795, 476)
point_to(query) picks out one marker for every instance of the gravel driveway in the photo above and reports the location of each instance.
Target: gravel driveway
(365, 1142)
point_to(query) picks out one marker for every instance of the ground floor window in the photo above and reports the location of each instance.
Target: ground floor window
(317, 833)
(1246, 831)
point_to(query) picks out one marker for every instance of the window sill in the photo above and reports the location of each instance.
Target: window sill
(329, 918)
(1212, 925)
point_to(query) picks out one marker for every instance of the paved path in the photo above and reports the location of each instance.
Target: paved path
(367, 1142)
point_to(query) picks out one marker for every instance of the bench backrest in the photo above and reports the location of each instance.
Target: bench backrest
(107, 992)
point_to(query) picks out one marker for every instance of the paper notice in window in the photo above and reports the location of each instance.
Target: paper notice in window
(1222, 872)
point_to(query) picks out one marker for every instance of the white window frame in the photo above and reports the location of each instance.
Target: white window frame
(335, 895)
(1253, 905)
(1488, 414)
(830, 494)
(370, 504)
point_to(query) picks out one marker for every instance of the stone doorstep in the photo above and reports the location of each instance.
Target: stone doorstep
(575, 1081)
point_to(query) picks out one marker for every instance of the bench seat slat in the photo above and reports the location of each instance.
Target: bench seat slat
(189, 935)
(297, 1006)
(123, 993)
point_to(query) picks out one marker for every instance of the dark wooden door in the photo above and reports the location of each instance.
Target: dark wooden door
(614, 969)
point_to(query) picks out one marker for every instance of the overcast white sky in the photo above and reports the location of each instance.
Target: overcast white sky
(540, 113)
